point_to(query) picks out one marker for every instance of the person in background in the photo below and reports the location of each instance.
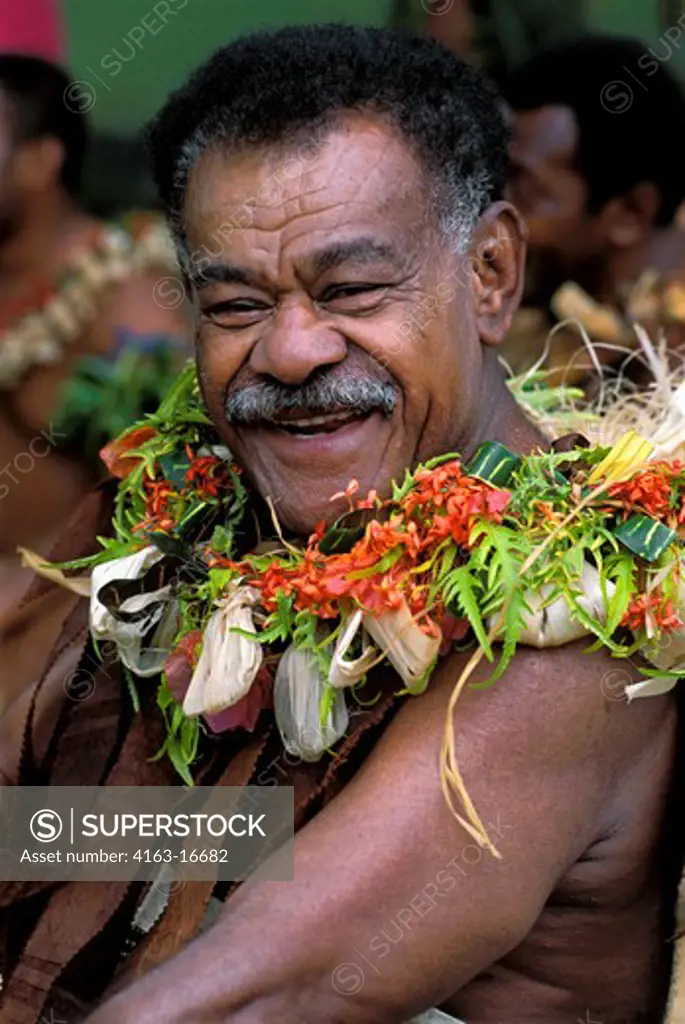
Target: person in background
(454, 27)
(87, 340)
(497, 35)
(596, 175)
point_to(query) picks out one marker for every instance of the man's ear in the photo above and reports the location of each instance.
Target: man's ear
(626, 221)
(39, 163)
(497, 263)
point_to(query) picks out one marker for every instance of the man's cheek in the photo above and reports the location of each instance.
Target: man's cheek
(218, 362)
(213, 389)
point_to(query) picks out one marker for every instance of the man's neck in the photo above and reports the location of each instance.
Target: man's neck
(502, 418)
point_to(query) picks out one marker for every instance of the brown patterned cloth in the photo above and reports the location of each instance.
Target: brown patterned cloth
(61, 945)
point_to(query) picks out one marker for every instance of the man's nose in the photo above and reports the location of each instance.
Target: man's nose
(295, 344)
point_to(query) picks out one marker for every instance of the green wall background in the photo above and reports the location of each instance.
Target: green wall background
(649, 20)
(98, 30)
(127, 58)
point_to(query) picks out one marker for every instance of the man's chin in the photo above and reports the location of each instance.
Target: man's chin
(300, 475)
(301, 521)
(301, 503)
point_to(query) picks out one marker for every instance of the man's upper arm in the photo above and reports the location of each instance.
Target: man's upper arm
(386, 856)
(533, 759)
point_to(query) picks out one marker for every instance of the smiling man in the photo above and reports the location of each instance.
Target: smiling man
(320, 301)
(336, 199)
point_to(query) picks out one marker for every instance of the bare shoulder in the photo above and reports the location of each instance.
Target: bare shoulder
(556, 725)
(562, 701)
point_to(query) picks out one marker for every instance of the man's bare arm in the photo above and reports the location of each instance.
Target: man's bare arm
(540, 752)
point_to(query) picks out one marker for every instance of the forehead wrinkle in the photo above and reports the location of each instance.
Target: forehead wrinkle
(346, 183)
(343, 186)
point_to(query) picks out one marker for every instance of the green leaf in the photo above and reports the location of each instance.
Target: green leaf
(174, 468)
(421, 684)
(621, 572)
(340, 539)
(132, 689)
(461, 600)
(222, 540)
(493, 463)
(592, 625)
(512, 629)
(179, 761)
(645, 537)
(382, 566)
(189, 739)
(165, 697)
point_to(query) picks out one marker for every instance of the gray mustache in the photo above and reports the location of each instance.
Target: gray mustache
(267, 402)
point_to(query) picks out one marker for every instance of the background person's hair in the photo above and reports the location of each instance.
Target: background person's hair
(34, 91)
(284, 87)
(629, 131)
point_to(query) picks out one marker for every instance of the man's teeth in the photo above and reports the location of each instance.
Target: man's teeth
(328, 421)
(320, 421)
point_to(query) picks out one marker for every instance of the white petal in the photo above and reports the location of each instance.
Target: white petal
(344, 672)
(556, 625)
(298, 689)
(408, 649)
(650, 687)
(128, 568)
(147, 659)
(668, 653)
(228, 662)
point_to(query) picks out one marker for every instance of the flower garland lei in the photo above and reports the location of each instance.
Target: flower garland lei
(594, 533)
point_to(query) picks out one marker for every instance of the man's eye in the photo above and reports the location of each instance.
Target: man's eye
(235, 311)
(352, 295)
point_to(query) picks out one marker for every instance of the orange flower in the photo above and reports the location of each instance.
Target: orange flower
(661, 613)
(651, 490)
(158, 517)
(207, 475)
(114, 454)
(546, 510)
(380, 572)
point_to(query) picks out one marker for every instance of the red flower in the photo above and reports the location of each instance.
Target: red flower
(206, 474)
(158, 513)
(388, 564)
(650, 490)
(114, 454)
(653, 606)
(453, 630)
(180, 664)
(246, 712)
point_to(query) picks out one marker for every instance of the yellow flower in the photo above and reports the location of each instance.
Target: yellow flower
(625, 458)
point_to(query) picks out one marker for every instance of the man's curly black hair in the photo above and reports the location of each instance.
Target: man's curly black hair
(630, 113)
(278, 88)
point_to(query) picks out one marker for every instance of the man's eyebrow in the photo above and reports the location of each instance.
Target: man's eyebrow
(359, 250)
(221, 272)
